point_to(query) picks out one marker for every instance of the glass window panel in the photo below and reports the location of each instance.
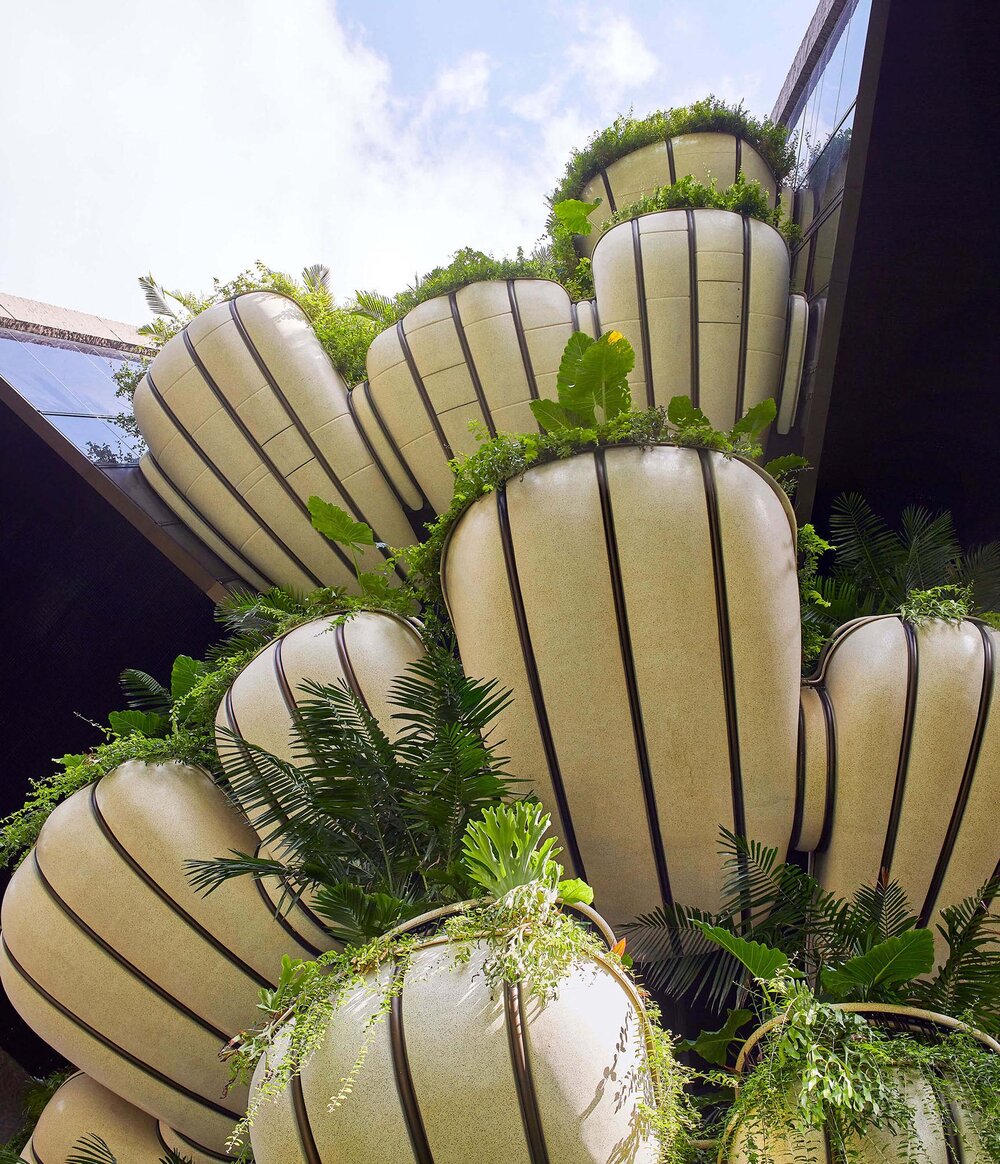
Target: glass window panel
(826, 111)
(857, 34)
(87, 377)
(826, 179)
(824, 243)
(61, 376)
(102, 440)
(33, 380)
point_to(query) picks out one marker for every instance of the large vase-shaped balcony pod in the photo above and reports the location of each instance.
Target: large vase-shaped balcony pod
(482, 353)
(902, 733)
(246, 418)
(110, 956)
(456, 1073)
(706, 157)
(82, 1107)
(642, 604)
(702, 295)
(942, 1130)
(367, 652)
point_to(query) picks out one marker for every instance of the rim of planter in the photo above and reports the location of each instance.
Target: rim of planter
(684, 210)
(432, 915)
(873, 1008)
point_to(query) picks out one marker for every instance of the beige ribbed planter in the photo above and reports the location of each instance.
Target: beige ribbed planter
(82, 1108)
(245, 419)
(481, 353)
(703, 156)
(368, 653)
(113, 959)
(702, 296)
(642, 604)
(930, 1129)
(455, 1074)
(903, 729)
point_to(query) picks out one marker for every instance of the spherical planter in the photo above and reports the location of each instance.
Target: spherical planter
(704, 156)
(112, 958)
(481, 353)
(368, 652)
(642, 604)
(702, 296)
(906, 726)
(82, 1108)
(456, 1074)
(933, 1132)
(245, 419)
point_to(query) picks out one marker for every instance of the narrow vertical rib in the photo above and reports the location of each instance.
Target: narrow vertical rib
(692, 241)
(307, 1140)
(404, 1079)
(418, 383)
(470, 363)
(526, 1096)
(905, 744)
(640, 287)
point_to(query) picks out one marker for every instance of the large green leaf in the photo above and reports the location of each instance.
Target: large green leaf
(602, 377)
(891, 963)
(569, 370)
(713, 1046)
(684, 414)
(143, 723)
(184, 674)
(551, 416)
(762, 961)
(573, 890)
(573, 215)
(338, 525)
(755, 420)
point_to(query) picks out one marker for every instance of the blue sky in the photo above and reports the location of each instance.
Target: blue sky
(378, 137)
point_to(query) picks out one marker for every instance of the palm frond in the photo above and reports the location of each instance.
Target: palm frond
(317, 277)
(868, 551)
(376, 307)
(144, 693)
(91, 1149)
(156, 297)
(930, 549)
(980, 569)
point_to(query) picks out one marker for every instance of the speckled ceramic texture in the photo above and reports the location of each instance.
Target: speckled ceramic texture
(642, 604)
(113, 959)
(903, 730)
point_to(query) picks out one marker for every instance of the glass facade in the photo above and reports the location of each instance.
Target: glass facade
(72, 385)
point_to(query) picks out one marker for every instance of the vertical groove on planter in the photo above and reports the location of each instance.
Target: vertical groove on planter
(952, 1140)
(692, 241)
(905, 743)
(161, 893)
(607, 190)
(347, 666)
(190, 1143)
(739, 159)
(526, 1095)
(252, 441)
(741, 374)
(725, 642)
(965, 788)
(404, 1078)
(671, 162)
(214, 529)
(831, 769)
(522, 341)
(574, 314)
(303, 1129)
(300, 428)
(534, 683)
(120, 960)
(390, 440)
(111, 1045)
(785, 357)
(631, 680)
(233, 725)
(418, 383)
(800, 782)
(640, 287)
(238, 497)
(477, 384)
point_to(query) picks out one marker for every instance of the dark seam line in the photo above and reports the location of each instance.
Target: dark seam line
(522, 341)
(375, 459)
(829, 808)
(413, 516)
(302, 1127)
(167, 900)
(103, 1039)
(692, 241)
(905, 743)
(238, 497)
(421, 388)
(968, 776)
(281, 919)
(238, 554)
(574, 314)
(952, 1140)
(34, 1154)
(294, 417)
(631, 679)
(800, 781)
(739, 165)
(404, 1079)
(117, 957)
(725, 643)
(607, 190)
(534, 683)
(233, 724)
(785, 358)
(340, 637)
(470, 363)
(258, 448)
(597, 316)
(671, 164)
(527, 1098)
(741, 375)
(640, 287)
(191, 1143)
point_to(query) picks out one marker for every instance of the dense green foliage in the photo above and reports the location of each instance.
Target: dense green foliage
(36, 1096)
(626, 134)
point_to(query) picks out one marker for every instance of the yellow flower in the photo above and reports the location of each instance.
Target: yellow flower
(614, 337)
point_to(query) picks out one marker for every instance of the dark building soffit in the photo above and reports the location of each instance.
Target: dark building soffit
(115, 497)
(813, 43)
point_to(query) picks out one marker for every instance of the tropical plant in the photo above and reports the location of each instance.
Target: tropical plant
(93, 1149)
(36, 1096)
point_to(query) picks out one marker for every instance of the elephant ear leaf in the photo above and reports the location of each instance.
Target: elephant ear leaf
(551, 416)
(713, 1046)
(762, 961)
(756, 419)
(602, 378)
(338, 525)
(891, 963)
(572, 214)
(150, 724)
(184, 674)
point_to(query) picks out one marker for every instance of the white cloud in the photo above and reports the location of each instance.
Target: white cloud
(464, 87)
(611, 54)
